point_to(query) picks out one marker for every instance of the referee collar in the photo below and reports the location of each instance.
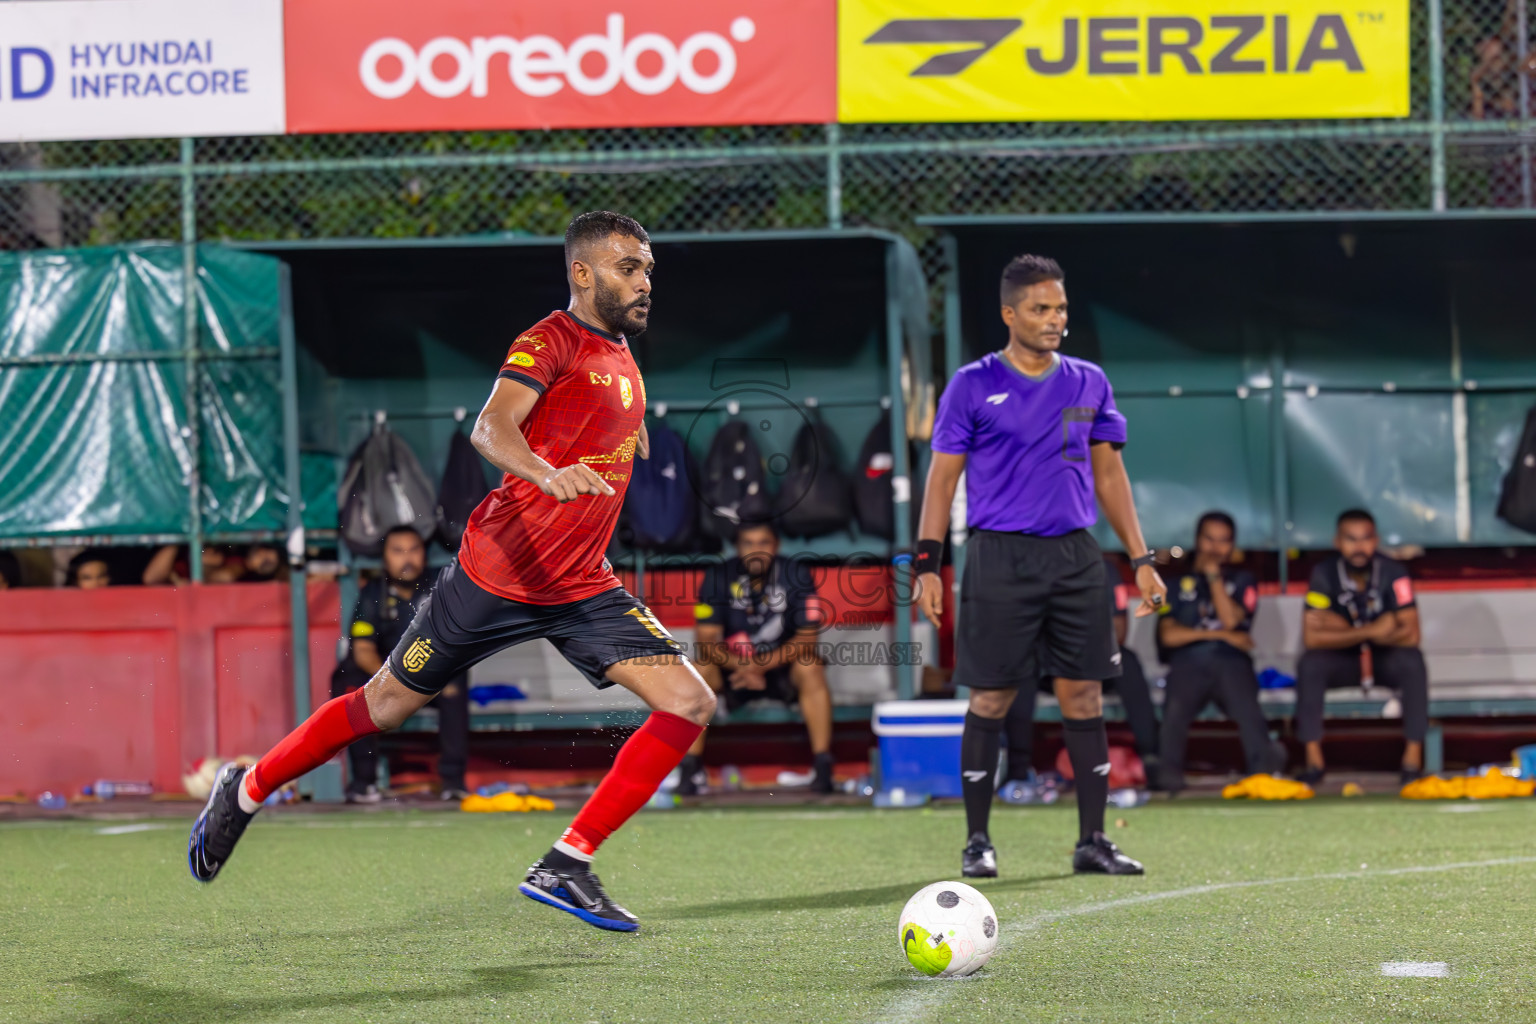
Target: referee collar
(615, 338)
(1055, 365)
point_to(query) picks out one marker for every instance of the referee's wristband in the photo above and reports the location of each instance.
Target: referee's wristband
(929, 554)
(1146, 559)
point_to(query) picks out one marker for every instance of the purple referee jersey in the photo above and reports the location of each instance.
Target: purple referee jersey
(1026, 442)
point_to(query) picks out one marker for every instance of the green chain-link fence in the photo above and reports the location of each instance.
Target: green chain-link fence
(1467, 145)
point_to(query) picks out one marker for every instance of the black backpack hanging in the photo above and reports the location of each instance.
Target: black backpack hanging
(660, 509)
(384, 487)
(1517, 498)
(734, 483)
(874, 500)
(463, 488)
(815, 496)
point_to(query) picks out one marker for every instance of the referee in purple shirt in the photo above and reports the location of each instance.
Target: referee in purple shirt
(1039, 437)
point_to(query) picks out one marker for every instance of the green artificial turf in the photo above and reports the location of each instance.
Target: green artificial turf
(780, 915)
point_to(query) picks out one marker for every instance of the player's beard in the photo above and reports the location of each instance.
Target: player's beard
(615, 313)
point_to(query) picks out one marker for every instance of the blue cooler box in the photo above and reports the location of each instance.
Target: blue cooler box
(920, 745)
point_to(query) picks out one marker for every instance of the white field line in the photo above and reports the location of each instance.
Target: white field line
(931, 993)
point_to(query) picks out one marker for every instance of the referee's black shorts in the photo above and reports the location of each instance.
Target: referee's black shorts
(1033, 606)
(460, 624)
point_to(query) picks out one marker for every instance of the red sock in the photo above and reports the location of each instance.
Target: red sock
(653, 751)
(333, 726)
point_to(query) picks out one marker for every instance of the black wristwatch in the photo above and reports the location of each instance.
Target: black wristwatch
(1146, 559)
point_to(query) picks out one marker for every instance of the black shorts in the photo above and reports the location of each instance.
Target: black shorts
(460, 624)
(1031, 607)
(776, 686)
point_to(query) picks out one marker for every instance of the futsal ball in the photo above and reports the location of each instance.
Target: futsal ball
(948, 930)
(199, 778)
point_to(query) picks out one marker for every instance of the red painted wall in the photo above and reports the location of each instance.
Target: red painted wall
(138, 682)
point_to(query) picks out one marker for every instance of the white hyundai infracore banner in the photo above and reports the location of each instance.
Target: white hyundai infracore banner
(104, 69)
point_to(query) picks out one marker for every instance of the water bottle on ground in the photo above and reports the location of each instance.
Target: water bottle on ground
(112, 789)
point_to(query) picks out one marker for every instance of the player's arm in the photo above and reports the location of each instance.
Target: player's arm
(938, 496)
(363, 631)
(1172, 633)
(498, 436)
(1407, 632)
(1113, 488)
(1325, 629)
(800, 646)
(1231, 614)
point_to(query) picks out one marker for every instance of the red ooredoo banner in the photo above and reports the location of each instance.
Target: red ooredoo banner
(409, 65)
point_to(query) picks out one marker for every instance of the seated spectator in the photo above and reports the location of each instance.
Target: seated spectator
(1361, 600)
(262, 563)
(1203, 632)
(385, 607)
(1131, 685)
(756, 631)
(10, 571)
(89, 570)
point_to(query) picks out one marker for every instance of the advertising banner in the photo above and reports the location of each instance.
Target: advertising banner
(406, 65)
(111, 69)
(1120, 60)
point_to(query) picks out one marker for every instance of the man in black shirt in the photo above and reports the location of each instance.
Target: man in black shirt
(1135, 699)
(385, 607)
(755, 627)
(1361, 598)
(1203, 633)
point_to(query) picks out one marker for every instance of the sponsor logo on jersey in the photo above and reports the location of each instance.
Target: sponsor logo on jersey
(624, 453)
(520, 359)
(532, 340)
(417, 655)
(593, 377)
(626, 391)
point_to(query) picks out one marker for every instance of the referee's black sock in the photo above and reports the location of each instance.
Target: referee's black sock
(1088, 748)
(979, 744)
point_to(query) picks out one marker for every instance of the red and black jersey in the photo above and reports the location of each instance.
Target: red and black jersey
(523, 544)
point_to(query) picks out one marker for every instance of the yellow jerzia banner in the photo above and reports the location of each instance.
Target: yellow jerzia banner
(1120, 60)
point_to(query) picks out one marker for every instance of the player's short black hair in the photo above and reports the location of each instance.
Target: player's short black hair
(755, 524)
(597, 226)
(1216, 517)
(1355, 515)
(1023, 271)
(402, 528)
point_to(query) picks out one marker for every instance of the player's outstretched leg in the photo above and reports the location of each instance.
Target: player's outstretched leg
(980, 741)
(219, 827)
(1088, 749)
(238, 793)
(681, 705)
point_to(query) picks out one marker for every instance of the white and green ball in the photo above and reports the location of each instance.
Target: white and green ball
(948, 930)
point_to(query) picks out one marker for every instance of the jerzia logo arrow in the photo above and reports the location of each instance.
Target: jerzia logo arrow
(985, 33)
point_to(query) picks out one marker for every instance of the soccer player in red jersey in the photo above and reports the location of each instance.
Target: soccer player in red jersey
(564, 423)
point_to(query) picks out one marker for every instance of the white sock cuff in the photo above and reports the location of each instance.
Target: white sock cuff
(570, 851)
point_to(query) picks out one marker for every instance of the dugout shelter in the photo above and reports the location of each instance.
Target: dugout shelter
(140, 412)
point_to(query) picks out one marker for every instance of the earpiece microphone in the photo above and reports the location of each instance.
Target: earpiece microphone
(1065, 331)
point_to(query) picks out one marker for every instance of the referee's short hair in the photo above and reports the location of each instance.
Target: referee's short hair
(598, 226)
(1023, 271)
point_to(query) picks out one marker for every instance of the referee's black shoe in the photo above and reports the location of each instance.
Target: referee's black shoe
(978, 859)
(1099, 855)
(219, 827)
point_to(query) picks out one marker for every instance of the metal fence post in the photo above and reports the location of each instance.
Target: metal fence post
(190, 352)
(1436, 107)
(834, 176)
